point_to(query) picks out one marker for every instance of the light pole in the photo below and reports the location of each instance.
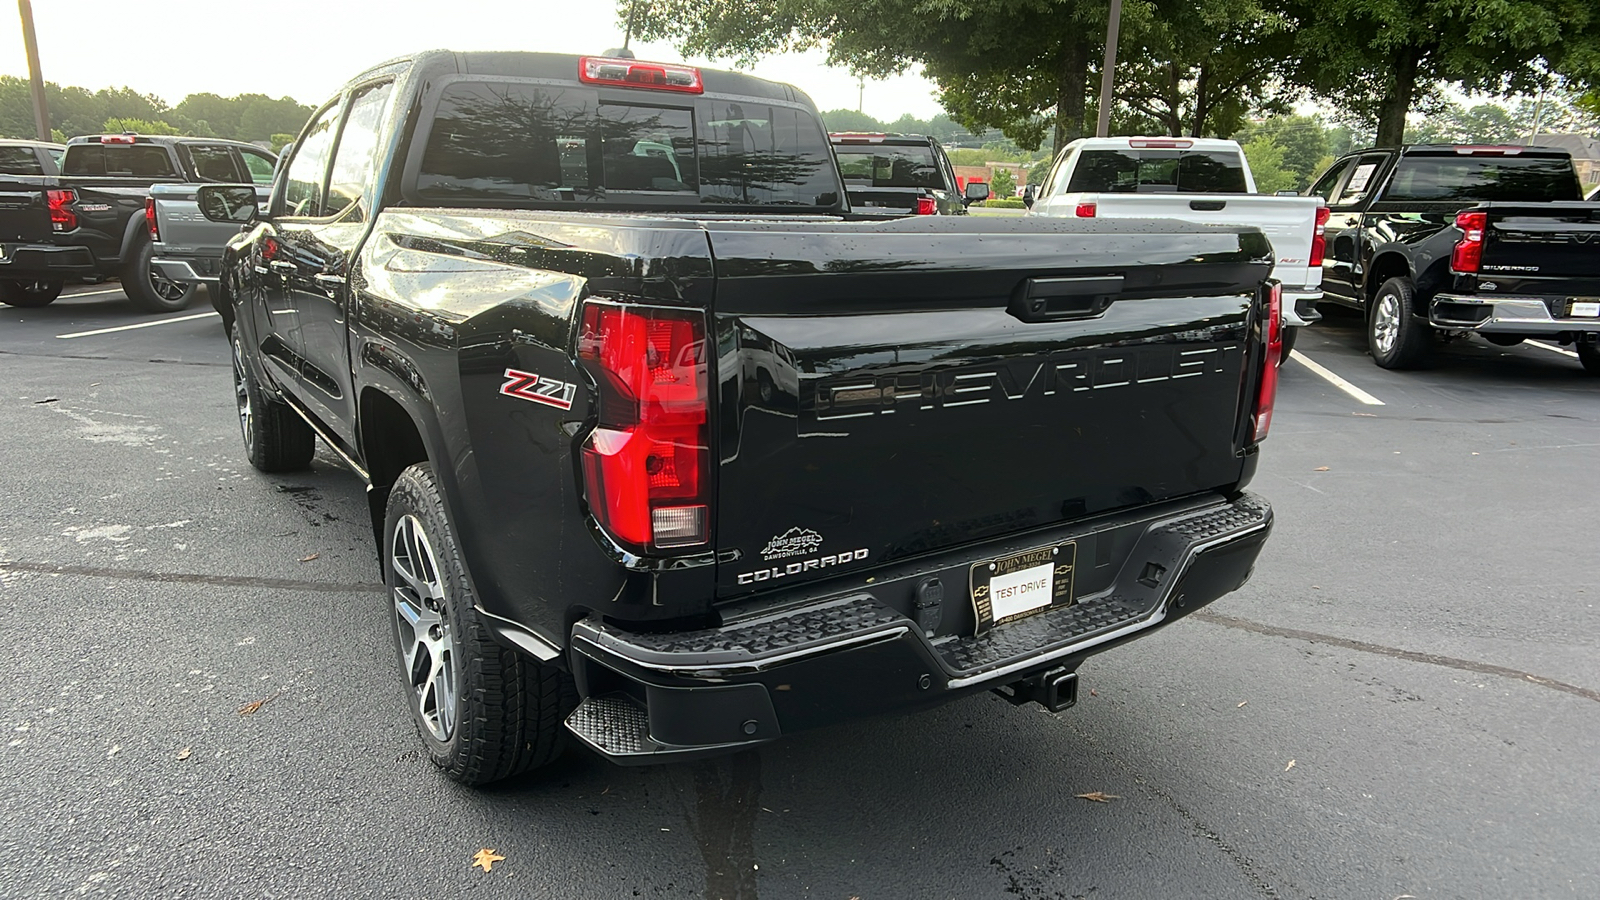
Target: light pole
(1113, 25)
(41, 115)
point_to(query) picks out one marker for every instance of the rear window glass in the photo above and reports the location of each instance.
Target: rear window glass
(1157, 171)
(523, 143)
(1479, 178)
(20, 161)
(882, 166)
(131, 160)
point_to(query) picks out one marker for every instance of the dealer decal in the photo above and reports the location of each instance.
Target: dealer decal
(539, 389)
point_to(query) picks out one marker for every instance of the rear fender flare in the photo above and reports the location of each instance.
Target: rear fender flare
(1387, 263)
(130, 234)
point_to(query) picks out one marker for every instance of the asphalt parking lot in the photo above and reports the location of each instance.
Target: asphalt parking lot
(198, 698)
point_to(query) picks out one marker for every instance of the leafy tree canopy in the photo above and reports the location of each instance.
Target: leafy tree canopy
(75, 110)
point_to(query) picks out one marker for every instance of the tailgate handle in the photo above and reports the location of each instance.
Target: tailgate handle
(1049, 299)
(1208, 205)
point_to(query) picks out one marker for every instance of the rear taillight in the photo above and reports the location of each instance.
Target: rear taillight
(1267, 391)
(1085, 210)
(150, 218)
(926, 206)
(647, 465)
(1468, 253)
(62, 218)
(1319, 237)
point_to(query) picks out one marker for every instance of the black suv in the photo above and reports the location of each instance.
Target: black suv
(901, 174)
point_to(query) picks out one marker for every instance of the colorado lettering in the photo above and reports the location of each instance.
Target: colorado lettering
(806, 565)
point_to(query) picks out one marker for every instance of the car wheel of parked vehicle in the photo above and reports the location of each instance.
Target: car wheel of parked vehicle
(1589, 355)
(484, 711)
(275, 438)
(149, 290)
(1289, 335)
(1397, 339)
(30, 294)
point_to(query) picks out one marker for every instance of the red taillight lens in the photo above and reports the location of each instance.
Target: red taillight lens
(1319, 237)
(1085, 211)
(647, 465)
(150, 218)
(926, 206)
(1267, 391)
(61, 217)
(627, 73)
(1467, 256)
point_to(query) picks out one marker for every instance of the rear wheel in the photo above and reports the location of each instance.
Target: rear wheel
(148, 289)
(1589, 355)
(275, 438)
(485, 712)
(1397, 339)
(30, 294)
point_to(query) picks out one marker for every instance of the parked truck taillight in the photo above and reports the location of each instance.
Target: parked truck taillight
(150, 218)
(926, 206)
(1467, 256)
(647, 464)
(1085, 210)
(1319, 237)
(1267, 389)
(62, 218)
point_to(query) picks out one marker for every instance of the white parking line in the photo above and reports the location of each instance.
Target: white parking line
(115, 290)
(1335, 380)
(1543, 346)
(78, 334)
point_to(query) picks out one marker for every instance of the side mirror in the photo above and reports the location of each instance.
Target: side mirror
(235, 203)
(1027, 196)
(975, 191)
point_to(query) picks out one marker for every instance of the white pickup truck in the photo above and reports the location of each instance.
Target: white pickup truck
(1199, 180)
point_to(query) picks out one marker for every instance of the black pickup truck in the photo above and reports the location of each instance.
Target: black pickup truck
(984, 449)
(1442, 241)
(901, 174)
(92, 220)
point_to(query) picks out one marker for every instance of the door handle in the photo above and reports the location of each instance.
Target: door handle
(325, 278)
(282, 265)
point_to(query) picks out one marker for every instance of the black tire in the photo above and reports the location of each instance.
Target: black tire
(1505, 340)
(276, 439)
(1397, 339)
(149, 291)
(30, 294)
(495, 712)
(1589, 355)
(1289, 336)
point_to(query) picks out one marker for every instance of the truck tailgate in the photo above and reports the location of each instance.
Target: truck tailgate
(1545, 247)
(878, 398)
(24, 214)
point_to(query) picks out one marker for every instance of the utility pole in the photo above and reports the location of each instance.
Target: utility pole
(1113, 25)
(1538, 113)
(41, 114)
(861, 93)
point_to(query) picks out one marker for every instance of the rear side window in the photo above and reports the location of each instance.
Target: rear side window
(259, 165)
(1157, 171)
(1473, 179)
(128, 160)
(883, 166)
(20, 161)
(213, 163)
(515, 143)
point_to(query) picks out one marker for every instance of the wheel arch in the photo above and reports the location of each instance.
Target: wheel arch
(1385, 265)
(391, 441)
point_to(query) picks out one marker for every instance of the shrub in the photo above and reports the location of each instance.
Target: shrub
(1006, 203)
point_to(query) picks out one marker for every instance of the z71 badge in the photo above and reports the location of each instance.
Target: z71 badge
(539, 389)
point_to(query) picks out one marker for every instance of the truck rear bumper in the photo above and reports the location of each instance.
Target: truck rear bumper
(1503, 315)
(199, 270)
(1300, 307)
(45, 261)
(657, 697)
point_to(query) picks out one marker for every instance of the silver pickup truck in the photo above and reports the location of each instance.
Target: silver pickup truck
(188, 246)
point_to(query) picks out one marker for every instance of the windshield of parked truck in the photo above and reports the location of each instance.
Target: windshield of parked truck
(1474, 179)
(888, 166)
(510, 144)
(1157, 171)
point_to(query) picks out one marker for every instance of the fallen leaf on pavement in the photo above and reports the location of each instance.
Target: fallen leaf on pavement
(250, 709)
(183, 754)
(1241, 704)
(1320, 469)
(1289, 766)
(485, 858)
(1098, 797)
(310, 557)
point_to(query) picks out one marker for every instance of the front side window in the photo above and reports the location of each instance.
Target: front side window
(1363, 178)
(1330, 179)
(354, 161)
(259, 165)
(302, 194)
(213, 163)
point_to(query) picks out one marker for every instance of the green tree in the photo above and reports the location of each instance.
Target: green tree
(1266, 164)
(1003, 184)
(1303, 139)
(136, 126)
(850, 120)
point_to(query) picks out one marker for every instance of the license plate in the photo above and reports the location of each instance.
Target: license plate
(1008, 589)
(1583, 307)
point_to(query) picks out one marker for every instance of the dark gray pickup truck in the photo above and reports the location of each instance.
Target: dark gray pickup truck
(667, 451)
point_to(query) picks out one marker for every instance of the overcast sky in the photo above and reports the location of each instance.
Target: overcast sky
(306, 49)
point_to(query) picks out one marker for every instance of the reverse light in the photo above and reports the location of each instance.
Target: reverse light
(150, 218)
(1085, 210)
(630, 73)
(926, 206)
(1267, 389)
(1319, 237)
(1467, 256)
(647, 466)
(62, 218)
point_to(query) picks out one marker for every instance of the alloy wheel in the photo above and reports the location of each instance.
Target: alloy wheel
(1386, 322)
(241, 398)
(427, 647)
(165, 288)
